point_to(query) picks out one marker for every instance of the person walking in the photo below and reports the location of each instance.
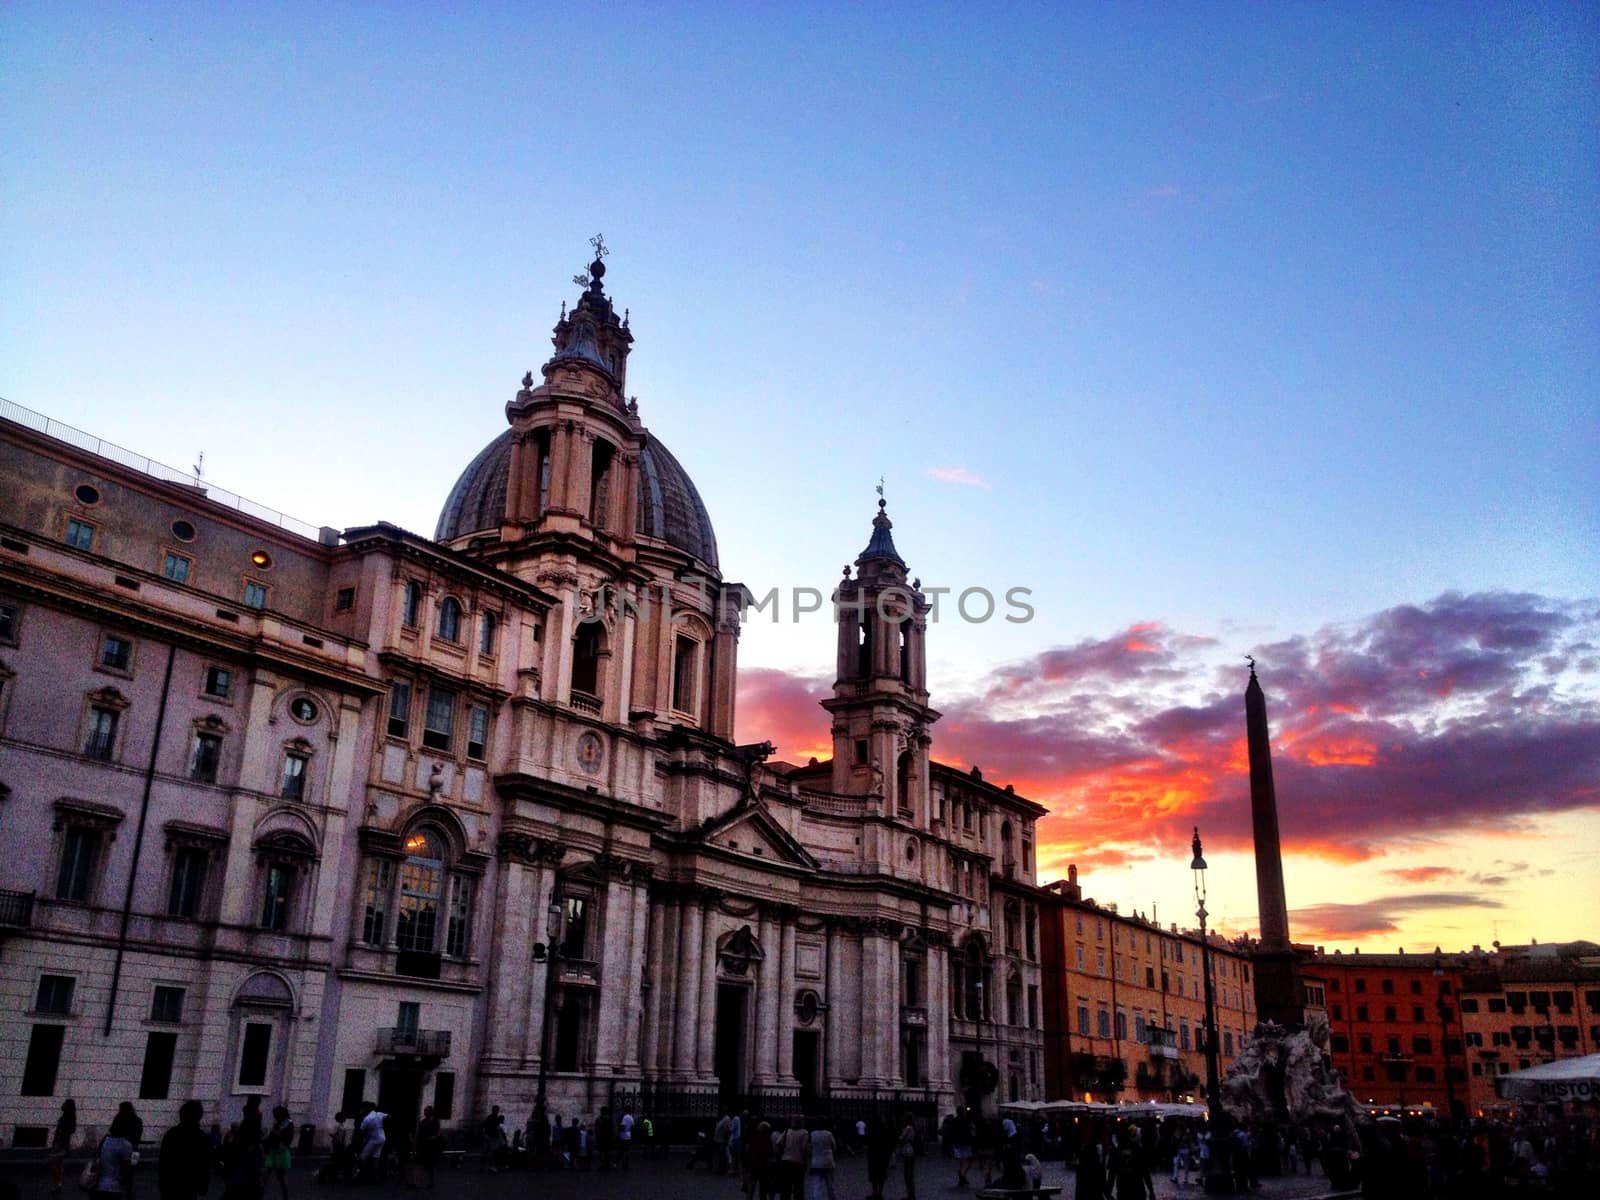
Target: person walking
(795, 1156)
(241, 1156)
(755, 1166)
(880, 1142)
(61, 1142)
(112, 1163)
(961, 1136)
(373, 1141)
(127, 1124)
(820, 1169)
(625, 1137)
(906, 1147)
(183, 1171)
(430, 1145)
(1129, 1169)
(280, 1137)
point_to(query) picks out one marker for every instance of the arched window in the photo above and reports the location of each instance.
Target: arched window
(433, 909)
(600, 484)
(542, 441)
(450, 619)
(488, 628)
(411, 609)
(864, 649)
(905, 651)
(902, 778)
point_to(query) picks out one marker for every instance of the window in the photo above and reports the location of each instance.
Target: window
(205, 757)
(1416, 1014)
(1122, 1025)
(292, 782)
(255, 596)
(1339, 1043)
(488, 630)
(1104, 1023)
(219, 682)
(80, 536)
(344, 599)
(421, 891)
(1083, 1019)
(8, 622)
(1497, 1004)
(477, 731)
(411, 607)
(1183, 1033)
(156, 1077)
(450, 620)
(586, 659)
(684, 662)
(255, 1048)
(458, 924)
(276, 895)
(176, 567)
(186, 892)
(1100, 962)
(80, 854)
(1080, 956)
(166, 1004)
(374, 916)
(1421, 1045)
(1389, 1014)
(116, 653)
(355, 1089)
(1361, 985)
(1469, 1004)
(1227, 1041)
(1388, 987)
(440, 719)
(399, 709)
(55, 995)
(44, 1059)
(575, 931)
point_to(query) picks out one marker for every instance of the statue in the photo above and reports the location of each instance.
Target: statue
(1283, 1078)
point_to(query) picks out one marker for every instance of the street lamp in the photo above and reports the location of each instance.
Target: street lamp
(1444, 1033)
(1219, 1179)
(548, 952)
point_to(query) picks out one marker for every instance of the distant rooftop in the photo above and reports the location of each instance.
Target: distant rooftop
(138, 462)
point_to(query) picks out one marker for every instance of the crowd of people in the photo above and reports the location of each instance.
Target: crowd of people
(795, 1158)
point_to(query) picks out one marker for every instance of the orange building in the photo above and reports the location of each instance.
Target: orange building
(1394, 1024)
(1526, 1005)
(1124, 1002)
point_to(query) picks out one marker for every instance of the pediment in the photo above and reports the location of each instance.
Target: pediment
(754, 831)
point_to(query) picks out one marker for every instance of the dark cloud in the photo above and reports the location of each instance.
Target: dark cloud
(1381, 915)
(1415, 723)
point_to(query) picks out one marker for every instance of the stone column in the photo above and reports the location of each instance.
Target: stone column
(941, 1071)
(766, 1055)
(686, 1014)
(785, 999)
(833, 1052)
(708, 992)
(650, 1041)
(615, 958)
(632, 1057)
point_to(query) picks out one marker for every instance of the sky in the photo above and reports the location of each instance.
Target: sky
(1222, 330)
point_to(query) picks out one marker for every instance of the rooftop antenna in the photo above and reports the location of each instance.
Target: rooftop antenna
(199, 467)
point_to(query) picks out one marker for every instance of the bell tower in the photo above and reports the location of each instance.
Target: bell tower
(879, 706)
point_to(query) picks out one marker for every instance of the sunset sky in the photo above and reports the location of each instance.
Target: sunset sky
(1223, 330)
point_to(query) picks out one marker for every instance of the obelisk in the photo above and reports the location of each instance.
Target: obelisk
(1278, 994)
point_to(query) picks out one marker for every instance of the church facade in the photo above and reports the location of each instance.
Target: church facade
(329, 817)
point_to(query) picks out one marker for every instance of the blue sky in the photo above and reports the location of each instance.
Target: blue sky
(1250, 319)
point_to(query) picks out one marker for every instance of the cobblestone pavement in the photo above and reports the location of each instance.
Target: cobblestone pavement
(655, 1180)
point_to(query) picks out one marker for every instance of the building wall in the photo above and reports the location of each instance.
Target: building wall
(709, 876)
(1125, 999)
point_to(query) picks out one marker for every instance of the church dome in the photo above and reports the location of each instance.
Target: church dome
(670, 508)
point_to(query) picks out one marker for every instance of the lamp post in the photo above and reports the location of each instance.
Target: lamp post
(1219, 1179)
(1444, 1033)
(548, 952)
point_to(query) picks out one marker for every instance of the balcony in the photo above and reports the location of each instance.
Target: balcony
(413, 1043)
(585, 702)
(1163, 1043)
(16, 909)
(913, 1014)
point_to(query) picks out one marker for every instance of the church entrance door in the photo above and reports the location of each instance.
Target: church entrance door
(805, 1062)
(728, 1055)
